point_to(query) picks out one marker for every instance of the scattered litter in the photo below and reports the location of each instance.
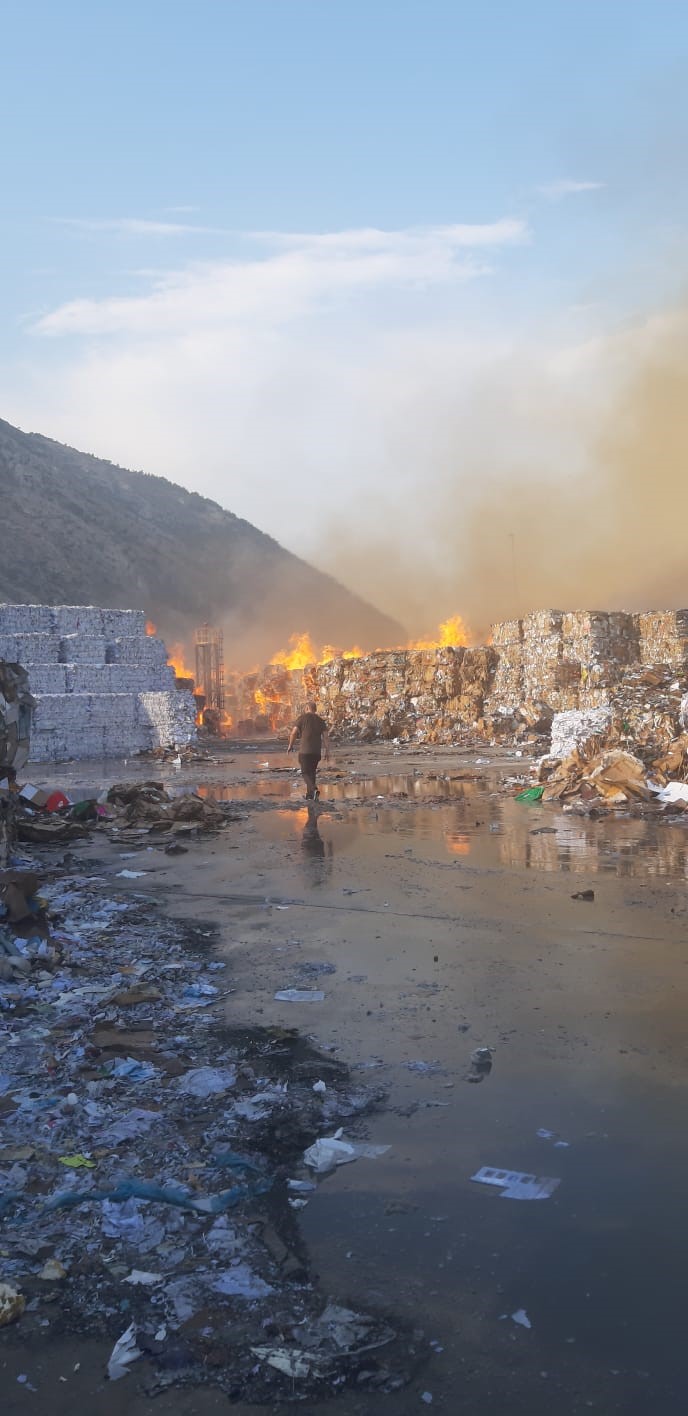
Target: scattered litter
(300, 995)
(239, 1281)
(320, 1088)
(12, 1304)
(674, 793)
(481, 1064)
(426, 1396)
(53, 1271)
(552, 1136)
(531, 794)
(588, 895)
(124, 1352)
(515, 1184)
(130, 1069)
(330, 1151)
(131, 874)
(77, 1162)
(521, 1317)
(202, 1082)
(140, 1278)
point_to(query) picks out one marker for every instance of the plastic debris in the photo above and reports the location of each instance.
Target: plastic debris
(77, 1162)
(521, 1317)
(132, 1070)
(674, 794)
(131, 874)
(531, 794)
(552, 1136)
(481, 1064)
(300, 995)
(320, 1088)
(124, 1352)
(515, 1184)
(140, 1278)
(239, 1281)
(202, 1082)
(330, 1151)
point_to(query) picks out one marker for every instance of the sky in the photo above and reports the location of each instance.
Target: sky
(327, 261)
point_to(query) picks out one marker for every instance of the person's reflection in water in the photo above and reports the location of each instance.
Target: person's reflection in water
(317, 853)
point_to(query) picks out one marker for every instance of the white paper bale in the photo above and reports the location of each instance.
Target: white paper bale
(574, 729)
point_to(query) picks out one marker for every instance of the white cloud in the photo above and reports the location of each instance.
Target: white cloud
(135, 226)
(568, 187)
(300, 274)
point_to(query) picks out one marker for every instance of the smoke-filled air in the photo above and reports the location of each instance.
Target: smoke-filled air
(592, 515)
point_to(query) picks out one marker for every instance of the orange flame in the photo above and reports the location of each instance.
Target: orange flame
(175, 657)
(301, 654)
(451, 635)
(151, 628)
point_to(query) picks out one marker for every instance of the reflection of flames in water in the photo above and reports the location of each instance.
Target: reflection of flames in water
(456, 844)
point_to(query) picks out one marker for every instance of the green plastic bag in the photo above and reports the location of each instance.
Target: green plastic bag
(531, 794)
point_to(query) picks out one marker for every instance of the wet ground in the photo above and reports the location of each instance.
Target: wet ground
(445, 910)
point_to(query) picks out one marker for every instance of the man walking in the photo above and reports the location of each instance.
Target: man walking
(313, 740)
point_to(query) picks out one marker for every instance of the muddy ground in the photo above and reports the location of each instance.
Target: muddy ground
(445, 910)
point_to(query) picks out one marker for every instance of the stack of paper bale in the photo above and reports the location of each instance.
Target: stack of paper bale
(102, 686)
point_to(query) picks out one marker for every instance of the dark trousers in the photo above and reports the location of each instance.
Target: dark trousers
(308, 762)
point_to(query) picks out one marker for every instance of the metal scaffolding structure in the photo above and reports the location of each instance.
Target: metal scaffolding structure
(210, 666)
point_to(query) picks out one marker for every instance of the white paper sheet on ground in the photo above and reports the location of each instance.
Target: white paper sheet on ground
(515, 1184)
(300, 995)
(674, 792)
(240, 1281)
(289, 1360)
(123, 1354)
(330, 1151)
(141, 1278)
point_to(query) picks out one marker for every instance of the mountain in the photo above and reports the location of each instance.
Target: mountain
(76, 529)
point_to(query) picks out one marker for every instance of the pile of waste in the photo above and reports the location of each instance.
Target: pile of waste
(615, 777)
(16, 707)
(591, 761)
(127, 810)
(149, 807)
(153, 1161)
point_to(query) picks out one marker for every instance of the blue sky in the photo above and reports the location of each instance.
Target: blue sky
(241, 240)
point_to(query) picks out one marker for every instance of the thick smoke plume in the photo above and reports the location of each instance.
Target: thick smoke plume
(593, 515)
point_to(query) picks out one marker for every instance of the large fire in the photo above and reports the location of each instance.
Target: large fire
(175, 657)
(302, 653)
(452, 634)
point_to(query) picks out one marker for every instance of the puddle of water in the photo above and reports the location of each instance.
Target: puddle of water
(490, 832)
(588, 1030)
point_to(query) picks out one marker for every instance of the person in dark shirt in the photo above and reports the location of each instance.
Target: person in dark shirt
(311, 732)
